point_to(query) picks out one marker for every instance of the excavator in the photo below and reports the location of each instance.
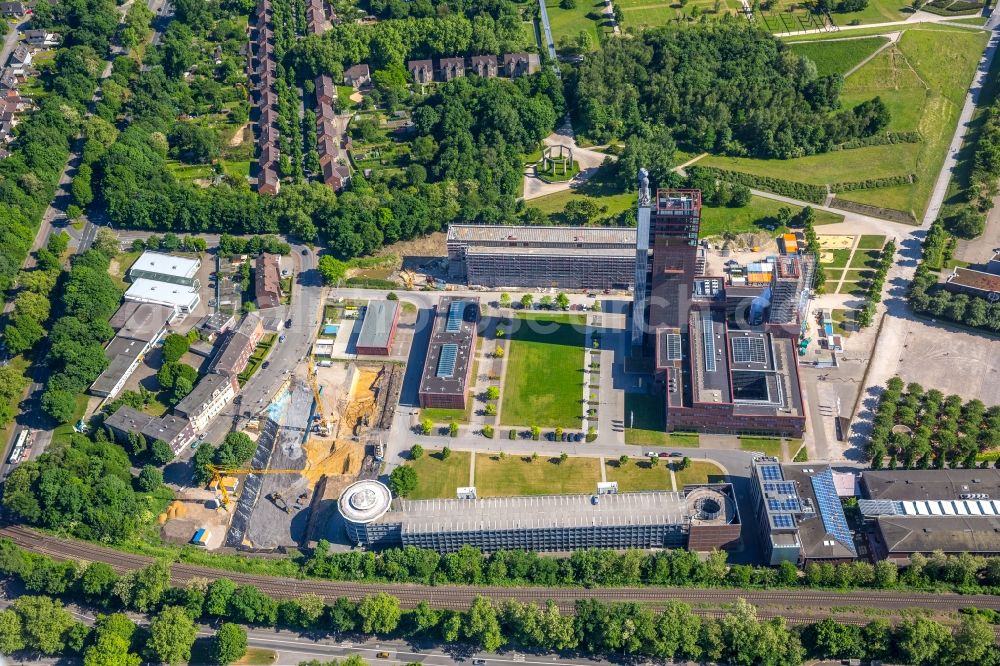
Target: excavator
(218, 472)
(321, 424)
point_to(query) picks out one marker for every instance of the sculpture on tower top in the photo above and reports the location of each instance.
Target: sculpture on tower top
(643, 187)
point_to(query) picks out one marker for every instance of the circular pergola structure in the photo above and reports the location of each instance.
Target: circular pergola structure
(364, 501)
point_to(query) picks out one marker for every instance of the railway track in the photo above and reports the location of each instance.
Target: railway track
(809, 604)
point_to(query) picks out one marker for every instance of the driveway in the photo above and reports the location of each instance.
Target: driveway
(589, 161)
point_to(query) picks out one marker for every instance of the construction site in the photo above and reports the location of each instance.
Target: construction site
(319, 434)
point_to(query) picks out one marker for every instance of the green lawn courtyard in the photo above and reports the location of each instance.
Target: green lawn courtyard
(543, 385)
(638, 475)
(437, 478)
(699, 471)
(519, 475)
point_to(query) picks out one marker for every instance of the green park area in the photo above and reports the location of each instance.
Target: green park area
(498, 476)
(544, 378)
(638, 475)
(442, 415)
(576, 24)
(652, 13)
(769, 446)
(839, 57)
(922, 80)
(698, 471)
(792, 15)
(438, 477)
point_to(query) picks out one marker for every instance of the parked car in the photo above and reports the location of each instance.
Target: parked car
(664, 454)
(676, 454)
(288, 323)
(380, 655)
(650, 454)
(478, 662)
(266, 364)
(281, 338)
(578, 437)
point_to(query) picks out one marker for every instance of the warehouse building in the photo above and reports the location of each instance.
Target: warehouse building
(139, 327)
(182, 297)
(447, 368)
(705, 517)
(166, 268)
(378, 329)
(560, 257)
(799, 514)
(922, 511)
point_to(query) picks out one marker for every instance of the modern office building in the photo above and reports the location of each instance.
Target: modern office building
(799, 514)
(166, 268)
(705, 517)
(444, 381)
(561, 257)
(378, 329)
(922, 511)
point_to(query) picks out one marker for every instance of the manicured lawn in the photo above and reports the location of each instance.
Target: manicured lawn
(699, 471)
(843, 321)
(438, 478)
(830, 286)
(121, 264)
(654, 13)
(840, 56)
(780, 19)
(543, 384)
(439, 415)
(183, 171)
(923, 81)
(63, 432)
(854, 288)
(855, 275)
(865, 259)
(759, 214)
(554, 204)
(638, 475)
(517, 475)
(239, 169)
(640, 437)
(871, 242)
(556, 175)
(585, 17)
(770, 446)
(840, 258)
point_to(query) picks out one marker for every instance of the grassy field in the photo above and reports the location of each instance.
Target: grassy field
(518, 475)
(922, 80)
(544, 372)
(653, 13)
(441, 415)
(568, 23)
(638, 475)
(770, 446)
(865, 259)
(759, 214)
(843, 321)
(438, 478)
(840, 56)
(238, 169)
(699, 471)
(189, 172)
(871, 242)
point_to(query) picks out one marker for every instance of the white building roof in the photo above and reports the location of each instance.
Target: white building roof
(164, 293)
(167, 264)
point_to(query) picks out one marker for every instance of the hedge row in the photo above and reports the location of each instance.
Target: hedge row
(890, 214)
(874, 183)
(788, 188)
(889, 138)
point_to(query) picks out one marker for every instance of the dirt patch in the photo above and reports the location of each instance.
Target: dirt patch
(239, 136)
(433, 246)
(831, 242)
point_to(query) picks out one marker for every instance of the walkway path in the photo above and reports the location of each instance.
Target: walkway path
(893, 38)
(588, 159)
(918, 17)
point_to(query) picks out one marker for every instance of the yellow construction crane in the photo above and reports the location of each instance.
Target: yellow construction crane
(314, 385)
(408, 278)
(218, 472)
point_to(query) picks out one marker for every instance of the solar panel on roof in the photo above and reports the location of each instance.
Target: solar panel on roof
(749, 350)
(673, 347)
(830, 509)
(708, 334)
(446, 363)
(455, 312)
(789, 504)
(783, 520)
(770, 473)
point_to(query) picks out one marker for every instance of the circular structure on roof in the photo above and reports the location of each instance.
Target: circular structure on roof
(706, 505)
(708, 508)
(364, 501)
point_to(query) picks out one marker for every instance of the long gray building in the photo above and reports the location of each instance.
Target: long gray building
(561, 257)
(702, 517)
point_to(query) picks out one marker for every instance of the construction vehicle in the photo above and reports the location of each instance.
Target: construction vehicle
(279, 502)
(408, 278)
(218, 472)
(322, 427)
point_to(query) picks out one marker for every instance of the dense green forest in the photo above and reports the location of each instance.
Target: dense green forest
(723, 87)
(619, 630)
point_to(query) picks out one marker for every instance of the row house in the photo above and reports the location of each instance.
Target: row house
(42, 38)
(357, 76)
(511, 65)
(315, 16)
(268, 180)
(331, 135)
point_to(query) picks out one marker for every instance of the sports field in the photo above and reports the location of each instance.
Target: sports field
(923, 81)
(543, 385)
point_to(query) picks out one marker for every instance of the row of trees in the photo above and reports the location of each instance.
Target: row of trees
(873, 294)
(604, 568)
(630, 629)
(927, 296)
(938, 430)
(724, 87)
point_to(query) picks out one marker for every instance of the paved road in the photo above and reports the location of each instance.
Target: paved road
(11, 39)
(547, 33)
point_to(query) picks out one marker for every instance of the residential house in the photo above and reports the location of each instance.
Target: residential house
(207, 400)
(42, 38)
(238, 346)
(267, 281)
(176, 431)
(357, 76)
(520, 64)
(421, 70)
(12, 9)
(451, 68)
(20, 60)
(485, 66)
